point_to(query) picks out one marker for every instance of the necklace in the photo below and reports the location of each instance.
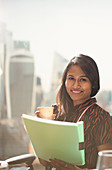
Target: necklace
(85, 111)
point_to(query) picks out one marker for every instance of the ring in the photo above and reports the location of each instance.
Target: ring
(66, 165)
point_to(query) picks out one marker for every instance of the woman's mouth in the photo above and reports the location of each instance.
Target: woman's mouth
(76, 91)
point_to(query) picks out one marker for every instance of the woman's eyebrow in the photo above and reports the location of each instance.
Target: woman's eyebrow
(69, 75)
(84, 76)
(73, 75)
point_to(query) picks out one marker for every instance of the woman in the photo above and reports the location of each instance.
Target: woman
(76, 102)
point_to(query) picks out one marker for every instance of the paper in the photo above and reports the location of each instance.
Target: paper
(56, 139)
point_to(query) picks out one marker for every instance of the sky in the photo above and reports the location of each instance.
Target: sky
(68, 27)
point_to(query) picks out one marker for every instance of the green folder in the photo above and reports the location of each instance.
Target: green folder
(56, 139)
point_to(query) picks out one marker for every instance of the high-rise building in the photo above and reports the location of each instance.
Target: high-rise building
(17, 93)
(20, 83)
(5, 39)
(59, 64)
(6, 44)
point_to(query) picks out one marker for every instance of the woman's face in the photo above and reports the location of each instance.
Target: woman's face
(78, 85)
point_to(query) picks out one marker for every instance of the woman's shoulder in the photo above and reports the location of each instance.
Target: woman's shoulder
(96, 107)
(101, 110)
(100, 114)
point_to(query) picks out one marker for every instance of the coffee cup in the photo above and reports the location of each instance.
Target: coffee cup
(46, 112)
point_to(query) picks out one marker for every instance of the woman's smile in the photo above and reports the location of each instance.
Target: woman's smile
(76, 91)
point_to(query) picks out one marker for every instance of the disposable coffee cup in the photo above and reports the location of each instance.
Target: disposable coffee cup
(46, 112)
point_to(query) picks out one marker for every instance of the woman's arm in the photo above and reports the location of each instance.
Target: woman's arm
(61, 165)
(107, 146)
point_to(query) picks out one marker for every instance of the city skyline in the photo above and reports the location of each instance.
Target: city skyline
(66, 27)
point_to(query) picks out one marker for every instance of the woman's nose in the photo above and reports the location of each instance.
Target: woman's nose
(76, 84)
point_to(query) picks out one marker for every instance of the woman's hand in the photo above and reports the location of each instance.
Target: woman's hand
(37, 113)
(45, 163)
(107, 146)
(61, 165)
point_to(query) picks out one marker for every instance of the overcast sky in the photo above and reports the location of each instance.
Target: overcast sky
(67, 26)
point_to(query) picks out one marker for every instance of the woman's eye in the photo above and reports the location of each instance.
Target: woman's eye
(83, 79)
(71, 78)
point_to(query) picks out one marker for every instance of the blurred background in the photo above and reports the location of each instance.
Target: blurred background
(37, 39)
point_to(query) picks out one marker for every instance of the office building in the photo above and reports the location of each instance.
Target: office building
(20, 83)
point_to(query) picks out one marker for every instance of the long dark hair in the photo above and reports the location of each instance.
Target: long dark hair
(89, 67)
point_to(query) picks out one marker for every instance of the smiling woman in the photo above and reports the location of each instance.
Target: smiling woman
(80, 82)
(78, 85)
(76, 102)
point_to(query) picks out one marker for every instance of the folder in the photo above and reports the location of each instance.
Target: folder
(56, 139)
